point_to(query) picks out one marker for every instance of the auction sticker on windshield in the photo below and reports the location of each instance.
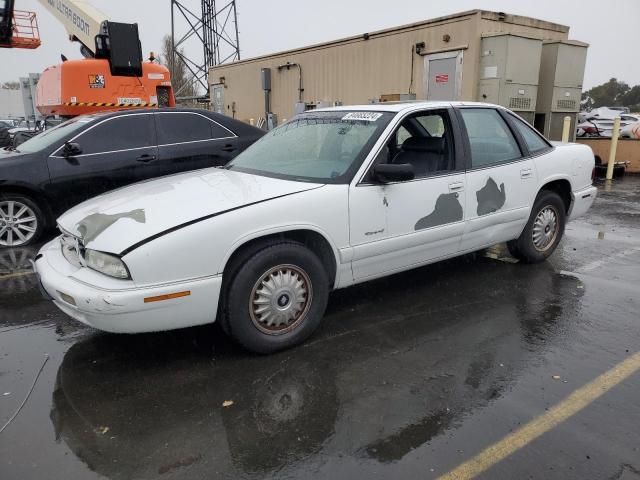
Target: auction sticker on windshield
(366, 116)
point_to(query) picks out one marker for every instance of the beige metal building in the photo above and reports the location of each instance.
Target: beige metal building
(475, 55)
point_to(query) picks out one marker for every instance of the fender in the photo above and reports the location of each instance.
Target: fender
(282, 229)
(553, 178)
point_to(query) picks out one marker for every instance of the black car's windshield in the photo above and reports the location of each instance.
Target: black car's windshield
(54, 135)
(324, 147)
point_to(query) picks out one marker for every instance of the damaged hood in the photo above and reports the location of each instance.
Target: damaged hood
(117, 220)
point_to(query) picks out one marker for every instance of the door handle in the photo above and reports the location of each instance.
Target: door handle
(228, 148)
(146, 158)
(526, 173)
(456, 187)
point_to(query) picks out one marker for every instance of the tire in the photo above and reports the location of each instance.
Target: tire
(10, 233)
(276, 299)
(549, 216)
(5, 139)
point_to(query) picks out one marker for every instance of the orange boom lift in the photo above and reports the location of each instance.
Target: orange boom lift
(112, 74)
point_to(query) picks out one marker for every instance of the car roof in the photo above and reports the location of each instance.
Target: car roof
(126, 111)
(397, 107)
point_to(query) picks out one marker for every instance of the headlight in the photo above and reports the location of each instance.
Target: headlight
(105, 263)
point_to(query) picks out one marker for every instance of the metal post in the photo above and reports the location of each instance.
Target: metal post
(614, 147)
(566, 127)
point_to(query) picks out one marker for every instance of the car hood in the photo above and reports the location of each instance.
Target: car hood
(116, 221)
(15, 154)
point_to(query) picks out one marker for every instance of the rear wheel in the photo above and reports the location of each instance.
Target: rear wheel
(277, 299)
(21, 221)
(543, 231)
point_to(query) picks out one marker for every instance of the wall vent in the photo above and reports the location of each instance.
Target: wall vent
(566, 105)
(520, 103)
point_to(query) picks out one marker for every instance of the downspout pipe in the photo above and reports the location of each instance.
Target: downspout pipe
(288, 65)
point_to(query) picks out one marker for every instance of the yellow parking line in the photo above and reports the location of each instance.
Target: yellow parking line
(571, 405)
(17, 274)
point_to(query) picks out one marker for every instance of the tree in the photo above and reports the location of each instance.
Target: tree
(609, 94)
(182, 79)
(631, 99)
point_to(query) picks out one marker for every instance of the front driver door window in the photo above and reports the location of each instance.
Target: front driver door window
(424, 216)
(115, 152)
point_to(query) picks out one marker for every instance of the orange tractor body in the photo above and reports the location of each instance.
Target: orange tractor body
(76, 87)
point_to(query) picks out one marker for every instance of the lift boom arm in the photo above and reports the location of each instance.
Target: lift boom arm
(81, 20)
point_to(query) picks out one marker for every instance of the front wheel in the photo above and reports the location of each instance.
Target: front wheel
(277, 298)
(543, 231)
(21, 221)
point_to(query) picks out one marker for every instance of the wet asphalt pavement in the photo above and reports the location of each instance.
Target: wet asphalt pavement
(408, 377)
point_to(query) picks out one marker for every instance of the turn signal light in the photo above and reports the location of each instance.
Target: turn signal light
(168, 296)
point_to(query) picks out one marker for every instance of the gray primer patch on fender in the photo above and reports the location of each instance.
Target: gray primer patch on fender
(490, 198)
(447, 210)
(93, 225)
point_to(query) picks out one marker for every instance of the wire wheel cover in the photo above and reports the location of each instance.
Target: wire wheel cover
(280, 299)
(545, 228)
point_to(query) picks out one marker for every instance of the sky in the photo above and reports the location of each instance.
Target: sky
(610, 27)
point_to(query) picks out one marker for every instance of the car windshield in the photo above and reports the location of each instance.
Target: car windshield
(54, 135)
(323, 147)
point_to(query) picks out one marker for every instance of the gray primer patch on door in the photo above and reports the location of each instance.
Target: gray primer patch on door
(490, 198)
(447, 210)
(93, 225)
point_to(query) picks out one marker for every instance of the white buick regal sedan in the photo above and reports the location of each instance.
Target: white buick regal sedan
(331, 198)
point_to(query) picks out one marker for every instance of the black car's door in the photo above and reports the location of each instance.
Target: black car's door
(191, 140)
(114, 152)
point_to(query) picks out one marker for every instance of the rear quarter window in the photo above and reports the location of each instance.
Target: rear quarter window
(535, 143)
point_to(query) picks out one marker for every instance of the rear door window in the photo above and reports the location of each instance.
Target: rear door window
(119, 133)
(187, 127)
(490, 139)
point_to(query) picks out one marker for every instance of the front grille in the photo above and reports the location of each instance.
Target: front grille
(72, 249)
(520, 103)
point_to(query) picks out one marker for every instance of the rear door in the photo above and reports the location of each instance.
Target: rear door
(190, 141)
(500, 178)
(114, 153)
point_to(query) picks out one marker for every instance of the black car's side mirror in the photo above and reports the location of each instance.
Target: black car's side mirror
(70, 149)
(390, 172)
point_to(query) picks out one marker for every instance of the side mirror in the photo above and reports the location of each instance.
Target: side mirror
(70, 149)
(389, 172)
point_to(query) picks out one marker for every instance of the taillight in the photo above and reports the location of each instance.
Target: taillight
(593, 174)
(590, 129)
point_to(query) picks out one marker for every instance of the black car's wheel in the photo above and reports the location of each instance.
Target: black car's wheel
(543, 231)
(21, 221)
(277, 298)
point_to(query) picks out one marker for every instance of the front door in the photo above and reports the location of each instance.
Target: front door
(115, 152)
(399, 225)
(501, 181)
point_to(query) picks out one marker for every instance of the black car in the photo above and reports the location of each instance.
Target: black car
(91, 154)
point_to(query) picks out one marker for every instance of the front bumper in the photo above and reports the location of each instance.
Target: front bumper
(125, 310)
(581, 201)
